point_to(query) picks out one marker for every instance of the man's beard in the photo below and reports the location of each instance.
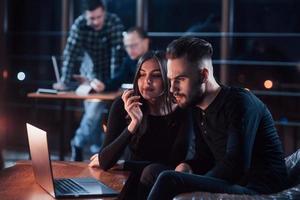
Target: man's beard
(196, 97)
(196, 94)
(192, 100)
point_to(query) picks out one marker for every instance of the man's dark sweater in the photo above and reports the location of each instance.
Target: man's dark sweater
(124, 74)
(236, 140)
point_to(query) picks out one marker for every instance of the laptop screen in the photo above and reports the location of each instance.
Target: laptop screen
(55, 67)
(70, 187)
(38, 146)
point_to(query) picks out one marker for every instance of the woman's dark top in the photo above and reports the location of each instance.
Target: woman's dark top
(165, 141)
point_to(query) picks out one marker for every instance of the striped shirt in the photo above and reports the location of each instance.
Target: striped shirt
(104, 47)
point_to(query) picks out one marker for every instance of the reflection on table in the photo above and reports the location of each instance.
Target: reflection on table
(18, 182)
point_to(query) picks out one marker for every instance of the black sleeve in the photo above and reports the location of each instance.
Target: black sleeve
(117, 136)
(180, 146)
(244, 120)
(203, 160)
(136, 166)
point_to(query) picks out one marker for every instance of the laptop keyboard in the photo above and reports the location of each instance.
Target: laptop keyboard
(66, 186)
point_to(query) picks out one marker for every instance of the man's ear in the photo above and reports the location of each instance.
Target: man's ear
(146, 42)
(204, 73)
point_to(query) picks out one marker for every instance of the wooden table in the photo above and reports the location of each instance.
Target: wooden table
(18, 182)
(105, 96)
(65, 96)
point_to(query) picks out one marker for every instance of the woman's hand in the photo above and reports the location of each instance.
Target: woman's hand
(94, 161)
(132, 106)
(184, 167)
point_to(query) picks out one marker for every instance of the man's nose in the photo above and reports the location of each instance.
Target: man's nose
(95, 21)
(172, 89)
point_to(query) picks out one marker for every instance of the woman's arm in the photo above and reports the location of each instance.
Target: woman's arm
(117, 136)
(115, 142)
(112, 152)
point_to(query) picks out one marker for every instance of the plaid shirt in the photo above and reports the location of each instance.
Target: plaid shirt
(104, 47)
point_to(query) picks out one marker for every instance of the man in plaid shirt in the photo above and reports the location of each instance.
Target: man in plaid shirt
(98, 34)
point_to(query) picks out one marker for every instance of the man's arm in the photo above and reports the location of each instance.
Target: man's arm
(203, 159)
(244, 121)
(72, 52)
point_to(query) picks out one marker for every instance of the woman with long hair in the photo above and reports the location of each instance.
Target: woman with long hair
(147, 125)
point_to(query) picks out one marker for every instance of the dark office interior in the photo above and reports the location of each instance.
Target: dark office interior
(256, 46)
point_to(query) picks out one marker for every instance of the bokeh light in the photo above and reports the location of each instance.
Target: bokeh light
(268, 84)
(21, 76)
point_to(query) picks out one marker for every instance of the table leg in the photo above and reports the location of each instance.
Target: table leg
(62, 131)
(1, 159)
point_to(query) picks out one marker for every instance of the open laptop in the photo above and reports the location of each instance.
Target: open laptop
(82, 90)
(59, 188)
(55, 67)
(57, 77)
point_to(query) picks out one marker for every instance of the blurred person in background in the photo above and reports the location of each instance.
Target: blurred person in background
(136, 43)
(98, 34)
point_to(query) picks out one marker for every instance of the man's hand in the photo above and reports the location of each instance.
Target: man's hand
(97, 85)
(94, 161)
(59, 86)
(184, 167)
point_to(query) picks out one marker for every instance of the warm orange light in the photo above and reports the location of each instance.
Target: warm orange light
(104, 126)
(3, 125)
(5, 74)
(268, 84)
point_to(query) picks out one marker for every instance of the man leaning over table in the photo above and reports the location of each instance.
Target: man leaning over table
(98, 34)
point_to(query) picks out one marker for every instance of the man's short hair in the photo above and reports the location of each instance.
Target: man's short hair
(141, 32)
(91, 5)
(193, 49)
